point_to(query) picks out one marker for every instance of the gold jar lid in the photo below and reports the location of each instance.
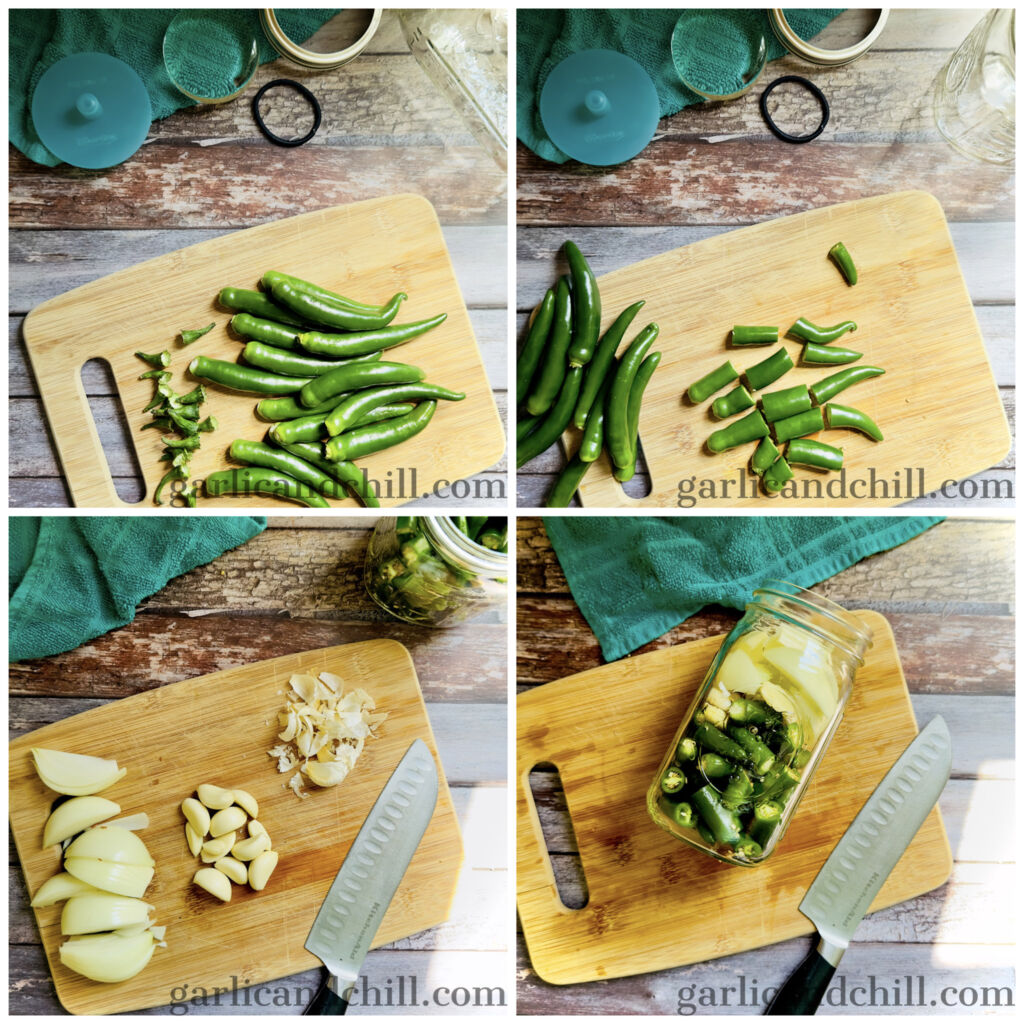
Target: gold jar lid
(815, 54)
(297, 54)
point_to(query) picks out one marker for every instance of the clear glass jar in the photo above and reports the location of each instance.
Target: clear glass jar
(759, 725)
(425, 570)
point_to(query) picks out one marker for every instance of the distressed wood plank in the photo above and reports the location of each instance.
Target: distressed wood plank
(982, 249)
(44, 264)
(743, 181)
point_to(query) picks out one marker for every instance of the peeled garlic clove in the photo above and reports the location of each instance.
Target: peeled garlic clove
(214, 882)
(123, 879)
(234, 869)
(214, 797)
(109, 958)
(193, 838)
(228, 820)
(102, 912)
(261, 868)
(75, 774)
(110, 843)
(247, 802)
(60, 887)
(256, 829)
(250, 849)
(214, 849)
(75, 815)
(196, 814)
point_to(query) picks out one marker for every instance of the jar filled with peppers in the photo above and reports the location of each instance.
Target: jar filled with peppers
(760, 724)
(437, 570)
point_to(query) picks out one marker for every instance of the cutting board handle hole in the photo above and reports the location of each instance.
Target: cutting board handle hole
(112, 426)
(559, 835)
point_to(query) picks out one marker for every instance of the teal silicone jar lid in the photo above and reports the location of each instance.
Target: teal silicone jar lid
(599, 107)
(91, 110)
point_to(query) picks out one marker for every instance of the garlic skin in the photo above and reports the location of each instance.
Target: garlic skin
(109, 958)
(60, 887)
(76, 815)
(75, 774)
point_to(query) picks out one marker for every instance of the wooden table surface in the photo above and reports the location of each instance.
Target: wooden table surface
(205, 172)
(949, 596)
(297, 587)
(881, 138)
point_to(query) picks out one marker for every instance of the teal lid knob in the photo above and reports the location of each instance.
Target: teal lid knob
(91, 110)
(599, 107)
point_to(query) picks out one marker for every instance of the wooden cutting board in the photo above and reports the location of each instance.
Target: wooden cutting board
(937, 405)
(217, 728)
(367, 250)
(654, 902)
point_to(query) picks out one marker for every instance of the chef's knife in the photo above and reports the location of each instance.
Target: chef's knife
(370, 875)
(862, 860)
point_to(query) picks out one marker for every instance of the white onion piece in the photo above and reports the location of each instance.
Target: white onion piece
(102, 912)
(75, 774)
(110, 957)
(123, 879)
(116, 845)
(60, 887)
(76, 815)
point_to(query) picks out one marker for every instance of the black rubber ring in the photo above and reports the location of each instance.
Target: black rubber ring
(302, 90)
(813, 90)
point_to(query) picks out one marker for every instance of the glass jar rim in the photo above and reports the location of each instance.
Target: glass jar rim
(847, 631)
(457, 547)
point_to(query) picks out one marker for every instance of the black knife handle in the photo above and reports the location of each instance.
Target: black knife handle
(326, 1002)
(803, 990)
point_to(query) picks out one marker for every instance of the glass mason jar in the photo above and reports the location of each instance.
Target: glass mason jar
(425, 570)
(759, 725)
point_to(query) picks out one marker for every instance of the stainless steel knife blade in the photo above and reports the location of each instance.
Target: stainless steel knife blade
(372, 870)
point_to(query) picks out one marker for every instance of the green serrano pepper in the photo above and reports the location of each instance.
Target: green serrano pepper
(754, 335)
(312, 307)
(352, 376)
(777, 476)
(592, 442)
(598, 367)
(347, 473)
(767, 816)
(244, 378)
(375, 437)
(258, 480)
(828, 355)
(735, 401)
(287, 408)
(711, 382)
(266, 357)
(352, 409)
(806, 331)
(636, 397)
(764, 456)
(526, 425)
(803, 452)
(272, 277)
(841, 257)
(533, 347)
(780, 405)
(838, 416)
(720, 821)
(751, 427)
(800, 425)
(616, 421)
(258, 304)
(358, 343)
(556, 420)
(312, 428)
(267, 331)
(586, 297)
(552, 370)
(769, 370)
(567, 483)
(831, 386)
(255, 453)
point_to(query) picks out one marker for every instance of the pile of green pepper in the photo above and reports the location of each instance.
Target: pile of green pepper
(335, 399)
(567, 374)
(732, 783)
(407, 576)
(790, 414)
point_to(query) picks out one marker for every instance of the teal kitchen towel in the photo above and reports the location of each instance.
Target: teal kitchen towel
(545, 37)
(636, 577)
(39, 37)
(73, 578)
